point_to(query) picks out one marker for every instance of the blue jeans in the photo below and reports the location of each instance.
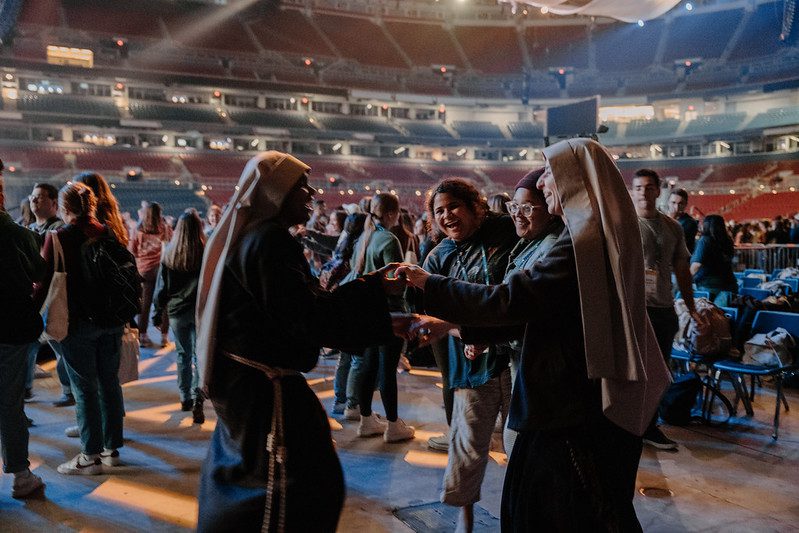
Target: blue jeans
(61, 370)
(342, 377)
(185, 339)
(13, 424)
(91, 354)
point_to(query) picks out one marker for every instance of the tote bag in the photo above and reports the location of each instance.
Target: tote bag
(55, 311)
(129, 356)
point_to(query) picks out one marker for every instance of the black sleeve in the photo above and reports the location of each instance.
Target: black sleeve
(352, 317)
(526, 295)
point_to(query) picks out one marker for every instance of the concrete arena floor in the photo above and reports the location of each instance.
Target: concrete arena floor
(734, 479)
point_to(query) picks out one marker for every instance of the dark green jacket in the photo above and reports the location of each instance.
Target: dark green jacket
(20, 266)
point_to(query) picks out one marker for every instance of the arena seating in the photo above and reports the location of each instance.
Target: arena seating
(71, 105)
(174, 199)
(761, 35)
(651, 81)
(419, 128)
(766, 206)
(41, 12)
(691, 35)
(221, 165)
(425, 44)
(775, 117)
(91, 15)
(115, 160)
(272, 119)
(730, 172)
(289, 31)
(226, 34)
(480, 43)
(708, 204)
(475, 129)
(639, 45)
(506, 176)
(557, 46)
(591, 83)
(33, 158)
(526, 130)
(652, 129)
(715, 124)
(371, 46)
(356, 124)
(713, 76)
(174, 112)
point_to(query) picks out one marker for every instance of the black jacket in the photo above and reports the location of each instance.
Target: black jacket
(20, 266)
(175, 291)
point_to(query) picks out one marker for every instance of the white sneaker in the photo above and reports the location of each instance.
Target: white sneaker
(398, 431)
(26, 484)
(72, 432)
(82, 465)
(110, 457)
(352, 413)
(440, 443)
(372, 425)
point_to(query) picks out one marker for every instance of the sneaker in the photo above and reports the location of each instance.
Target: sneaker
(110, 457)
(372, 425)
(28, 394)
(352, 413)
(338, 408)
(655, 437)
(31, 423)
(26, 484)
(186, 405)
(65, 401)
(72, 432)
(440, 443)
(398, 431)
(82, 465)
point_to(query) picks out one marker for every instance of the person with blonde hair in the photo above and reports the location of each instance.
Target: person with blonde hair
(176, 293)
(91, 347)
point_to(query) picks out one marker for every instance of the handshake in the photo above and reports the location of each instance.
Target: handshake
(397, 276)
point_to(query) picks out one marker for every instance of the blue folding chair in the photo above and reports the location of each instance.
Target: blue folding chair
(775, 273)
(753, 271)
(738, 275)
(764, 322)
(793, 283)
(751, 282)
(757, 294)
(702, 294)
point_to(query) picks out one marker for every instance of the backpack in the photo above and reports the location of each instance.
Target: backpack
(678, 402)
(110, 270)
(716, 340)
(770, 349)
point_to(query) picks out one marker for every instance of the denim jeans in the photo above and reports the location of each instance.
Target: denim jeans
(13, 424)
(91, 354)
(63, 378)
(30, 368)
(184, 330)
(342, 377)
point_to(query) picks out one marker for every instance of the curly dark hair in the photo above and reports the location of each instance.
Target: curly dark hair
(460, 189)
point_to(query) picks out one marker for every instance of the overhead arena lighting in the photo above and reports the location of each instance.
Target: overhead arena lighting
(624, 10)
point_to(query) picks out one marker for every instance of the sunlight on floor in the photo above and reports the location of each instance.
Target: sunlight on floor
(165, 505)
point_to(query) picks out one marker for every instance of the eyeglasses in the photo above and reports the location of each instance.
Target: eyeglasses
(525, 209)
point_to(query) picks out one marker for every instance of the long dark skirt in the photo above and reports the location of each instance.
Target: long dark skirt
(233, 478)
(580, 479)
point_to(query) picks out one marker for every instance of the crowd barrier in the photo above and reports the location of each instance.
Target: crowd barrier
(766, 257)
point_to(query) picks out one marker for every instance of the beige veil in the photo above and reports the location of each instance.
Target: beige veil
(620, 344)
(266, 180)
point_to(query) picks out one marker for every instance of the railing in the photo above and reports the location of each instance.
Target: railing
(766, 257)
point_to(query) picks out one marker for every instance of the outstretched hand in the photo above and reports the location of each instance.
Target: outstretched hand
(413, 275)
(393, 283)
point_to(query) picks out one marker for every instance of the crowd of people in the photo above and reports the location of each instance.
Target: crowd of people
(506, 294)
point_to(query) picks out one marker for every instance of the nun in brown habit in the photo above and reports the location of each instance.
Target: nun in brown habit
(591, 373)
(261, 319)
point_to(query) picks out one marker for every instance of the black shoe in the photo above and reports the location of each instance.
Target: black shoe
(30, 422)
(186, 405)
(197, 412)
(28, 394)
(655, 437)
(65, 401)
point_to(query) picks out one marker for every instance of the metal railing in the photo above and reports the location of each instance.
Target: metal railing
(766, 257)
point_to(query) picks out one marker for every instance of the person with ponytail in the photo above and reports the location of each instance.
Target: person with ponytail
(107, 206)
(376, 248)
(90, 351)
(176, 293)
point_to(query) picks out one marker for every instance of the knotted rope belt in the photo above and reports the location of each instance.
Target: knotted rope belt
(275, 445)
